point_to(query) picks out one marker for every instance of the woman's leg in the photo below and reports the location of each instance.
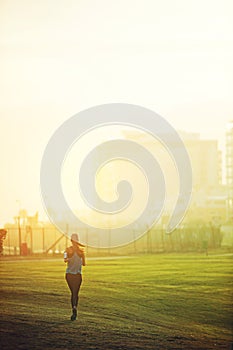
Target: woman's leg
(74, 282)
(70, 282)
(77, 285)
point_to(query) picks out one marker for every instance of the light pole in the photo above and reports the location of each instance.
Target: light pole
(43, 238)
(20, 236)
(19, 228)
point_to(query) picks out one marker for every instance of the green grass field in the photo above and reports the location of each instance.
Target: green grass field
(145, 302)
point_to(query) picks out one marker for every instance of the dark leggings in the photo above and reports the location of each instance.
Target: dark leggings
(74, 282)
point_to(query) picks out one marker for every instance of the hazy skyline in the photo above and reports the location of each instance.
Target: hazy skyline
(58, 58)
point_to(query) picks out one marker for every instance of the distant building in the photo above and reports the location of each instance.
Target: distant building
(229, 169)
(206, 161)
(209, 195)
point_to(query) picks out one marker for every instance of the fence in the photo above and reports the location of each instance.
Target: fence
(48, 240)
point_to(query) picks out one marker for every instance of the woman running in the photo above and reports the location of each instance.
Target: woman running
(75, 258)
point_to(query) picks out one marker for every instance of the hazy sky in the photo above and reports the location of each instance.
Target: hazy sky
(60, 57)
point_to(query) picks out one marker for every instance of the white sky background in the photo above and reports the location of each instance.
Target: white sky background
(60, 57)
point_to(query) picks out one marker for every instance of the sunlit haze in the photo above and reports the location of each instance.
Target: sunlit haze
(60, 57)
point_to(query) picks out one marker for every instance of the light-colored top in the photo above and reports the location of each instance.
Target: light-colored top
(74, 264)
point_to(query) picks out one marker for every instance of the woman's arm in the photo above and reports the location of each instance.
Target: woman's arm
(83, 259)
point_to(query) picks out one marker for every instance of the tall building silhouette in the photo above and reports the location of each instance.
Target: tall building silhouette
(209, 194)
(229, 169)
